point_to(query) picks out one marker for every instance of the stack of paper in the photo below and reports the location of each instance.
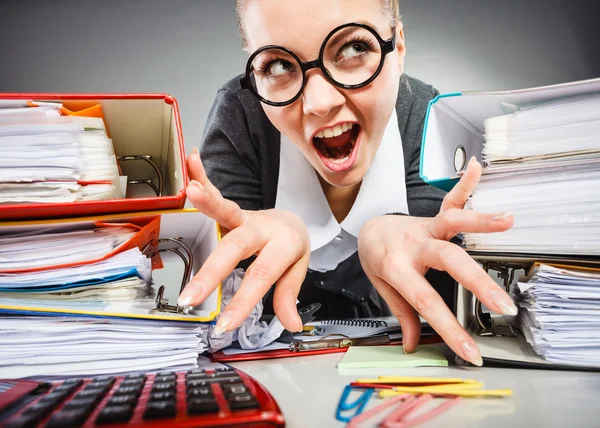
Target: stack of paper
(78, 346)
(559, 313)
(70, 273)
(47, 157)
(542, 164)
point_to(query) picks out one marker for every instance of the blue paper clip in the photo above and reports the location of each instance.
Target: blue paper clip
(359, 403)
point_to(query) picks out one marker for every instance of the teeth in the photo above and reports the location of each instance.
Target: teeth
(335, 131)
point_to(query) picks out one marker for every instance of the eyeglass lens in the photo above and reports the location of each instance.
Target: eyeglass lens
(351, 57)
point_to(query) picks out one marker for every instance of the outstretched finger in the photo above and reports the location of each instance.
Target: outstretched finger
(236, 246)
(463, 268)
(210, 202)
(454, 221)
(401, 309)
(286, 293)
(457, 197)
(272, 262)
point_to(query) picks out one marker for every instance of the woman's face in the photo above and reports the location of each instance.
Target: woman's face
(323, 110)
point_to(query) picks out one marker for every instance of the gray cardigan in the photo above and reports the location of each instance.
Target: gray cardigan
(240, 152)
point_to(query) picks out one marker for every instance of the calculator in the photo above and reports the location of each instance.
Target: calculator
(196, 398)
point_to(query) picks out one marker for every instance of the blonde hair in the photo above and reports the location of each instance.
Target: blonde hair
(390, 7)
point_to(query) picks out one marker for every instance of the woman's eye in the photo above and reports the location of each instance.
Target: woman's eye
(352, 50)
(279, 68)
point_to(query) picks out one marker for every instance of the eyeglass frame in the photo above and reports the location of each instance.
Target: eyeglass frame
(386, 47)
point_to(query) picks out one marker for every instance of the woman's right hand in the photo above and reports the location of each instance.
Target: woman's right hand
(278, 238)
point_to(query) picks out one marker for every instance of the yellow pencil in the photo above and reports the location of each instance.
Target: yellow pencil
(447, 391)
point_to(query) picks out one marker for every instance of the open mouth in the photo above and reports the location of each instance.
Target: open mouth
(338, 151)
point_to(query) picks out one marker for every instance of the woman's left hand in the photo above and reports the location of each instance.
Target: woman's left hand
(397, 251)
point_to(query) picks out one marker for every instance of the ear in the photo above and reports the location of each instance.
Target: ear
(400, 46)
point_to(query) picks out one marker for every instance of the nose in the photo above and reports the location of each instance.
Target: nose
(320, 96)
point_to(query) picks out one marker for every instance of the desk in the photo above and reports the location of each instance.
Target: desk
(308, 389)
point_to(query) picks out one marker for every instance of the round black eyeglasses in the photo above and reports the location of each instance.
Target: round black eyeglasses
(351, 57)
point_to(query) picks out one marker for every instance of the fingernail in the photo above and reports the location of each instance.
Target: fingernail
(223, 324)
(195, 150)
(472, 160)
(505, 304)
(503, 216)
(184, 300)
(197, 185)
(471, 354)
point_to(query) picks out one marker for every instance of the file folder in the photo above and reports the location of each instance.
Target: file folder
(453, 133)
(454, 125)
(143, 127)
(187, 233)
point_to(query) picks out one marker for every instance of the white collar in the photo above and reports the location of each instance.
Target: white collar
(383, 189)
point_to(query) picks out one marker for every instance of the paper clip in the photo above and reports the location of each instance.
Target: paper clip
(399, 418)
(359, 403)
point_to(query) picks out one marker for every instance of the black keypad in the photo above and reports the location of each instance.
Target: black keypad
(67, 419)
(200, 392)
(117, 400)
(242, 401)
(202, 405)
(160, 409)
(162, 395)
(235, 388)
(110, 414)
(95, 394)
(107, 379)
(86, 404)
(165, 374)
(23, 421)
(163, 386)
(197, 383)
(165, 378)
(140, 376)
(196, 371)
(128, 389)
(132, 382)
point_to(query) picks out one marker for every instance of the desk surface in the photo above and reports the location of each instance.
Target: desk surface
(308, 389)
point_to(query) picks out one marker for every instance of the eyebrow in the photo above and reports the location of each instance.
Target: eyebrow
(342, 34)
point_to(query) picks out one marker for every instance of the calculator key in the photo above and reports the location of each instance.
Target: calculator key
(196, 376)
(200, 392)
(117, 400)
(242, 401)
(23, 421)
(94, 394)
(53, 398)
(196, 371)
(110, 414)
(139, 376)
(107, 379)
(197, 383)
(128, 389)
(66, 388)
(162, 395)
(67, 419)
(72, 381)
(165, 374)
(160, 409)
(235, 388)
(224, 369)
(163, 386)
(166, 378)
(38, 410)
(202, 405)
(85, 404)
(132, 382)
(42, 388)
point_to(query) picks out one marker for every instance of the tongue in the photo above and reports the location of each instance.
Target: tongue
(339, 141)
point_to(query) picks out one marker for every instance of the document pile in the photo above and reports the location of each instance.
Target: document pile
(542, 164)
(91, 284)
(559, 313)
(48, 157)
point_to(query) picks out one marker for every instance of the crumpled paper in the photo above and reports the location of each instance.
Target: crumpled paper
(253, 333)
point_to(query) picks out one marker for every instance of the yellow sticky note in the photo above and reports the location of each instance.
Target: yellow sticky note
(363, 357)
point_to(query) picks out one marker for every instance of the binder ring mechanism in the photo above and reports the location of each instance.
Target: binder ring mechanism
(158, 190)
(485, 323)
(185, 254)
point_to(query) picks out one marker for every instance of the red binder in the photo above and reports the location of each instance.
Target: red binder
(138, 124)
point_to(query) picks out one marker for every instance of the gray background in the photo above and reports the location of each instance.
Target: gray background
(188, 48)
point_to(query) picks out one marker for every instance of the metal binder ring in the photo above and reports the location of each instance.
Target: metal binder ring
(460, 159)
(147, 159)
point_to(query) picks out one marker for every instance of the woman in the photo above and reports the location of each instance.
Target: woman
(309, 152)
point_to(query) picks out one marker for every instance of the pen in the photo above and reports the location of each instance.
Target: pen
(299, 346)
